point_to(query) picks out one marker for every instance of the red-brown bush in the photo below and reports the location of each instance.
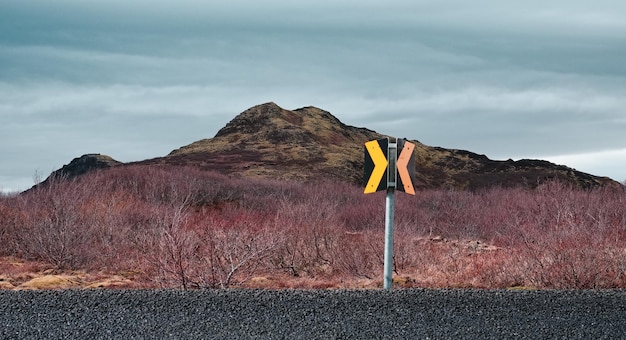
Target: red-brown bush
(182, 227)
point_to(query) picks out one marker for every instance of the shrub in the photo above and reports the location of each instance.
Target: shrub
(192, 229)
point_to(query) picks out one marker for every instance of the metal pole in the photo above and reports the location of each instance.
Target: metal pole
(388, 238)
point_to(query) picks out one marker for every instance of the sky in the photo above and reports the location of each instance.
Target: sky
(137, 79)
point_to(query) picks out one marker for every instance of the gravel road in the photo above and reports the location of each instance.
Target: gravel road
(312, 314)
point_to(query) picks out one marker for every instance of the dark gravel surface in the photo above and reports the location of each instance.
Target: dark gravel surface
(312, 314)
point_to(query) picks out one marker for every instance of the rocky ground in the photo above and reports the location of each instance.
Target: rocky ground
(312, 314)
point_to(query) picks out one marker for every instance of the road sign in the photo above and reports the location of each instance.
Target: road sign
(376, 165)
(389, 165)
(406, 167)
(382, 171)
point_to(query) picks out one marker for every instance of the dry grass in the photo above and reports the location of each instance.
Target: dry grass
(22, 274)
(50, 282)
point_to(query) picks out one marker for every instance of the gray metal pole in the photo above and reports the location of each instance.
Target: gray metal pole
(388, 238)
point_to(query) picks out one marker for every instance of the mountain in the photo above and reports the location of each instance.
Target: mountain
(310, 144)
(269, 141)
(84, 164)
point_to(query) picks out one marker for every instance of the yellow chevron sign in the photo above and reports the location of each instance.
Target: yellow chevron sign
(377, 167)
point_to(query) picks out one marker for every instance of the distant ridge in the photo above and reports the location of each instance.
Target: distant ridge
(86, 163)
(310, 144)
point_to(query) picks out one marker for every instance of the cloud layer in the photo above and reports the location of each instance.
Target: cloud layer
(507, 79)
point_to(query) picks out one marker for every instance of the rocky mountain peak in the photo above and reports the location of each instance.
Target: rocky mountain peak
(268, 126)
(253, 119)
(269, 141)
(80, 166)
(270, 121)
(86, 163)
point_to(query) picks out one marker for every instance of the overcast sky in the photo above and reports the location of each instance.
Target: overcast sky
(138, 79)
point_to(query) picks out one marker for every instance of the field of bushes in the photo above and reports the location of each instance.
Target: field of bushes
(185, 228)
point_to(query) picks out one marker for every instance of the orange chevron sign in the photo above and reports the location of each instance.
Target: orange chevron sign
(377, 166)
(405, 166)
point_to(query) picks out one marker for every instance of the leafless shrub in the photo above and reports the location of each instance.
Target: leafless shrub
(310, 228)
(54, 229)
(360, 254)
(234, 256)
(187, 228)
(175, 247)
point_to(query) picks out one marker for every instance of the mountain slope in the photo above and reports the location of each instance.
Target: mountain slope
(268, 141)
(311, 144)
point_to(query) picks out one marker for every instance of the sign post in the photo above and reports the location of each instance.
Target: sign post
(389, 209)
(388, 267)
(386, 169)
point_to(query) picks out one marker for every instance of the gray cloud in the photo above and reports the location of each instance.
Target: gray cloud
(508, 79)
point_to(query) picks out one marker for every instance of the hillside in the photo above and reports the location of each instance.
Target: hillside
(310, 144)
(269, 141)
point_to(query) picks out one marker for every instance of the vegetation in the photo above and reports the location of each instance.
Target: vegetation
(182, 227)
